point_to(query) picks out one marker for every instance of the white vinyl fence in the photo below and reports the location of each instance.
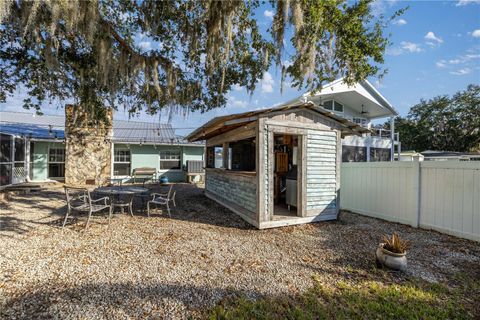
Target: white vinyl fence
(438, 195)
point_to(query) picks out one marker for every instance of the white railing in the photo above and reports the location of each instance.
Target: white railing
(443, 196)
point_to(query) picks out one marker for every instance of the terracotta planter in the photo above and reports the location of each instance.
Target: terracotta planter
(392, 260)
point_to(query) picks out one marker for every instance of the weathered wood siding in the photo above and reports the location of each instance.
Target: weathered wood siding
(321, 172)
(233, 188)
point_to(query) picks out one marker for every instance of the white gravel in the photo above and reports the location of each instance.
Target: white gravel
(159, 267)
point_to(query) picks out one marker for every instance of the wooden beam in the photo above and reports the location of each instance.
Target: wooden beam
(239, 133)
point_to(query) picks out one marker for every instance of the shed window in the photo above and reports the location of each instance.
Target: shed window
(56, 163)
(242, 155)
(215, 157)
(170, 159)
(121, 162)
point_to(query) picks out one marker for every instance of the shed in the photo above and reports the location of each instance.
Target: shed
(278, 166)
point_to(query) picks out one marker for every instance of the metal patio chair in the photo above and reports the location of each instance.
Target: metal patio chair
(163, 199)
(79, 199)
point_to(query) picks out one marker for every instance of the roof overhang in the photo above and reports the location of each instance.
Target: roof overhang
(361, 97)
(223, 124)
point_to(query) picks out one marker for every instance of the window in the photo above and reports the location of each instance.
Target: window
(19, 150)
(338, 107)
(5, 148)
(170, 159)
(361, 121)
(379, 154)
(354, 154)
(333, 105)
(215, 157)
(328, 105)
(242, 155)
(56, 163)
(121, 162)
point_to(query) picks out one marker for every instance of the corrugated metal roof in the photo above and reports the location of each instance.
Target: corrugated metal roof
(50, 127)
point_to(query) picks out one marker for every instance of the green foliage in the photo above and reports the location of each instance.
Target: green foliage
(365, 300)
(89, 50)
(443, 123)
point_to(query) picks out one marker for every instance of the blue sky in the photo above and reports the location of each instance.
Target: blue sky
(435, 51)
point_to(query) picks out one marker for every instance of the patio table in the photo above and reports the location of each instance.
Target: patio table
(116, 192)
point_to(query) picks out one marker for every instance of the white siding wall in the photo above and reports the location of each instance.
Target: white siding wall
(321, 170)
(441, 196)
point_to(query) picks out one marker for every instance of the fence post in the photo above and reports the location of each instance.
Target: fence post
(416, 191)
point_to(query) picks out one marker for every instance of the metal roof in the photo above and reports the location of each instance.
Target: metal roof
(51, 127)
(222, 124)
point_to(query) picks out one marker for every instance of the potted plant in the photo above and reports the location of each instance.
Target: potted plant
(392, 252)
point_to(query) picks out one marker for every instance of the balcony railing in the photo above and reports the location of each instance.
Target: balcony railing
(384, 133)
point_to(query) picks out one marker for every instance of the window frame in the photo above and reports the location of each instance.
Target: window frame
(160, 160)
(329, 108)
(56, 162)
(334, 104)
(123, 161)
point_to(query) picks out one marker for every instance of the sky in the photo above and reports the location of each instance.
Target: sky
(435, 51)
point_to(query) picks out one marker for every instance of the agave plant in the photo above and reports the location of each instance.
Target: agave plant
(395, 244)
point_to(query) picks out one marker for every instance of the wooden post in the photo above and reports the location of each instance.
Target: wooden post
(338, 164)
(260, 168)
(225, 155)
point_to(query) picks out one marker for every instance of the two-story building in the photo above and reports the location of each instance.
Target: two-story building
(361, 104)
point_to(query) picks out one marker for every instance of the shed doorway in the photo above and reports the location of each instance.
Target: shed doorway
(286, 175)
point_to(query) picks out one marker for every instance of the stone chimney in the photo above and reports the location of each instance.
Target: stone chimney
(87, 148)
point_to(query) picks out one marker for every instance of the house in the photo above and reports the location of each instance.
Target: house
(360, 103)
(278, 166)
(409, 156)
(33, 148)
(434, 155)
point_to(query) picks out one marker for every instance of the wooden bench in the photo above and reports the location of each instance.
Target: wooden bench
(144, 174)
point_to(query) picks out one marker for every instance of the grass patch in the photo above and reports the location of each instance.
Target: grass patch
(360, 300)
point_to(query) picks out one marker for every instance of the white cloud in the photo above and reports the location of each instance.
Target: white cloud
(234, 102)
(394, 51)
(269, 14)
(432, 38)
(461, 72)
(476, 33)
(400, 22)
(441, 64)
(410, 46)
(267, 82)
(465, 62)
(461, 3)
(379, 7)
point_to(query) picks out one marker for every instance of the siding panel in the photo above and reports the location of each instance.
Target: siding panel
(321, 170)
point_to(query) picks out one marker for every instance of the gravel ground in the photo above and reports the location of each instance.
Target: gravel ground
(172, 268)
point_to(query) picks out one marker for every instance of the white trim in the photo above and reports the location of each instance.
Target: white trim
(55, 162)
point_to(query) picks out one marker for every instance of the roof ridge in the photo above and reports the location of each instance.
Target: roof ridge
(63, 117)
